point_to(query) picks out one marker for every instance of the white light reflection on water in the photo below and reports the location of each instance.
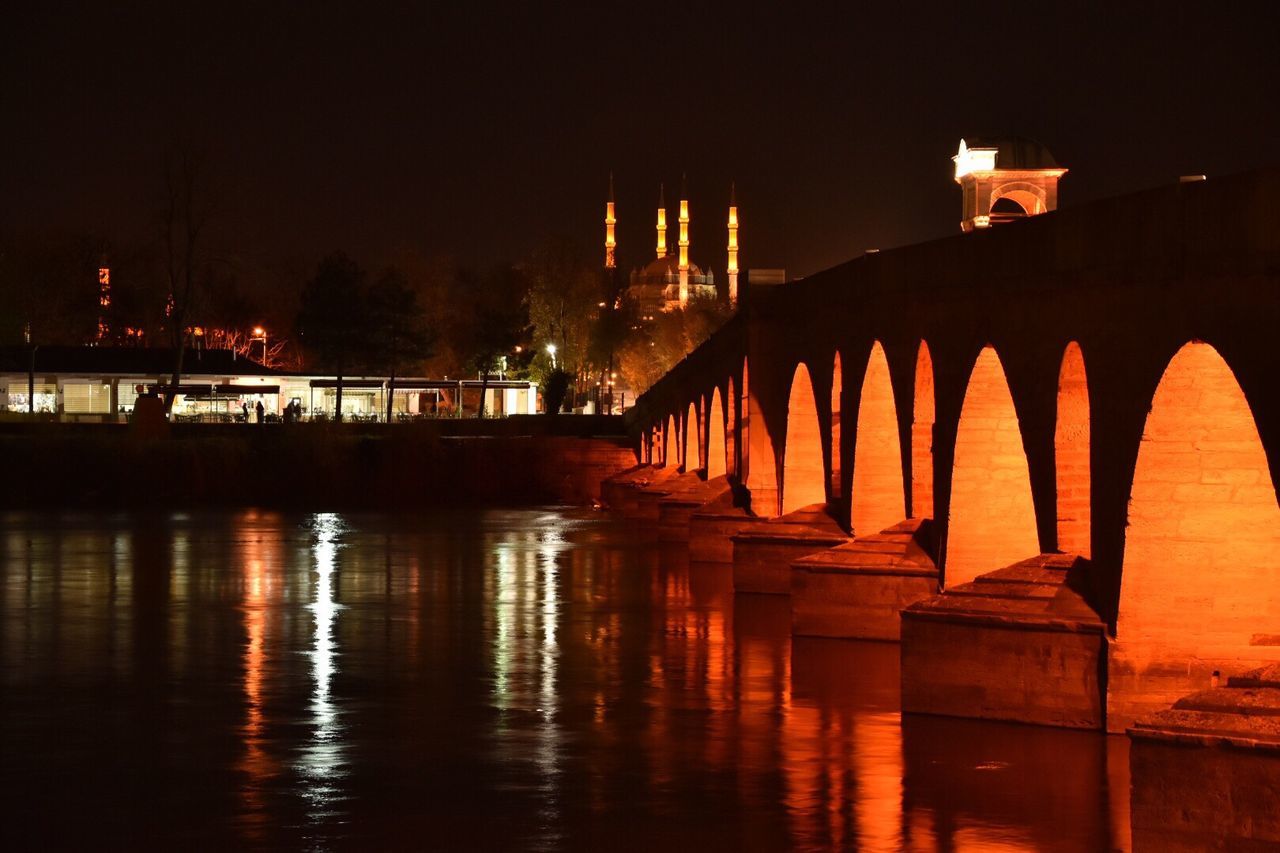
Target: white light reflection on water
(322, 759)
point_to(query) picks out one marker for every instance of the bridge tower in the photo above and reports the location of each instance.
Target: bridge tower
(733, 246)
(1005, 179)
(610, 220)
(684, 241)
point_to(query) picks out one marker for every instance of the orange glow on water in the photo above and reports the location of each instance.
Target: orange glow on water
(992, 517)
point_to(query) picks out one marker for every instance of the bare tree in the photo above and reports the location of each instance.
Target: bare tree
(185, 216)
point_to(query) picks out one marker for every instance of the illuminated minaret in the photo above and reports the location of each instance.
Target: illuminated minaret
(662, 223)
(609, 221)
(733, 246)
(684, 241)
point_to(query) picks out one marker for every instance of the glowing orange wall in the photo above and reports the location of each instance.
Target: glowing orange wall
(922, 437)
(691, 432)
(837, 396)
(1200, 583)
(716, 465)
(1071, 454)
(992, 521)
(803, 475)
(671, 442)
(879, 499)
(759, 459)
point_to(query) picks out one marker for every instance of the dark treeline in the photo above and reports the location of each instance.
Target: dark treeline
(554, 317)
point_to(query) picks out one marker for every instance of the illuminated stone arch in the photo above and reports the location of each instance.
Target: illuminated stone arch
(991, 517)
(731, 439)
(1031, 198)
(878, 498)
(717, 464)
(690, 454)
(837, 398)
(1200, 581)
(759, 459)
(803, 472)
(1071, 454)
(670, 442)
(922, 418)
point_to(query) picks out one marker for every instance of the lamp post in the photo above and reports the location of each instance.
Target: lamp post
(551, 350)
(260, 334)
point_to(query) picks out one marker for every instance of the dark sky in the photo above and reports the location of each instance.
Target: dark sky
(477, 130)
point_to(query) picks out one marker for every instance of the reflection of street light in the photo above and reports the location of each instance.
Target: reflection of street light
(551, 350)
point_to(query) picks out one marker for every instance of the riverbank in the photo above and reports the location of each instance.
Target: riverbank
(507, 462)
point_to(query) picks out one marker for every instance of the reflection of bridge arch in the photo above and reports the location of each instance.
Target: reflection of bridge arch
(991, 518)
(878, 497)
(716, 461)
(803, 473)
(1200, 581)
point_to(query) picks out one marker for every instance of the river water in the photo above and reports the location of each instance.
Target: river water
(513, 679)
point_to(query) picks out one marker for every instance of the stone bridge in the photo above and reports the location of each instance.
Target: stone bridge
(1041, 455)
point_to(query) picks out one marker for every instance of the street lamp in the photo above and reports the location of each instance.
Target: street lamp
(551, 350)
(260, 334)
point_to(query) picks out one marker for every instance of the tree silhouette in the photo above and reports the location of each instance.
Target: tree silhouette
(398, 331)
(333, 319)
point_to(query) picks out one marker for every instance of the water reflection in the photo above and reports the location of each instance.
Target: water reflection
(515, 679)
(322, 757)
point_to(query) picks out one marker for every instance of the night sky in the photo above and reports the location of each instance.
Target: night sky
(476, 131)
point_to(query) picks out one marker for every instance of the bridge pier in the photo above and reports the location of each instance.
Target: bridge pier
(1206, 772)
(676, 509)
(857, 590)
(1016, 644)
(712, 528)
(764, 549)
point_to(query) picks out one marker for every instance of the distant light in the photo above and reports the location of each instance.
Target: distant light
(1191, 179)
(258, 331)
(551, 348)
(519, 348)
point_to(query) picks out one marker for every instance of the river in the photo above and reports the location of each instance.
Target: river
(507, 679)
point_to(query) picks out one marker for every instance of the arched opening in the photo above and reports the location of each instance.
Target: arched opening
(670, 437)
(879, 500)
(837, 396)
(731, 439)
(716, 465)
(759, 458)
(1200, 582)
(803, 477)
(1071, 454)
(1008, 206)
(922, 437)
(691, 433)
(991, 519)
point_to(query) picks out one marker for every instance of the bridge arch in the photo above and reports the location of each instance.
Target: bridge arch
(922, 418)
(878, 497)
(803, 472)
(759, 458)
(837, 398)
(1200, 578)
(670, 442)
(991, 516)
(1071, 442)
(692, 431)
(716, 464)
(733, 442)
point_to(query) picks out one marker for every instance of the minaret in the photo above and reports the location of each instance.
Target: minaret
(684, 241)
(609, 221)
(662, 223)
(733, 246)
